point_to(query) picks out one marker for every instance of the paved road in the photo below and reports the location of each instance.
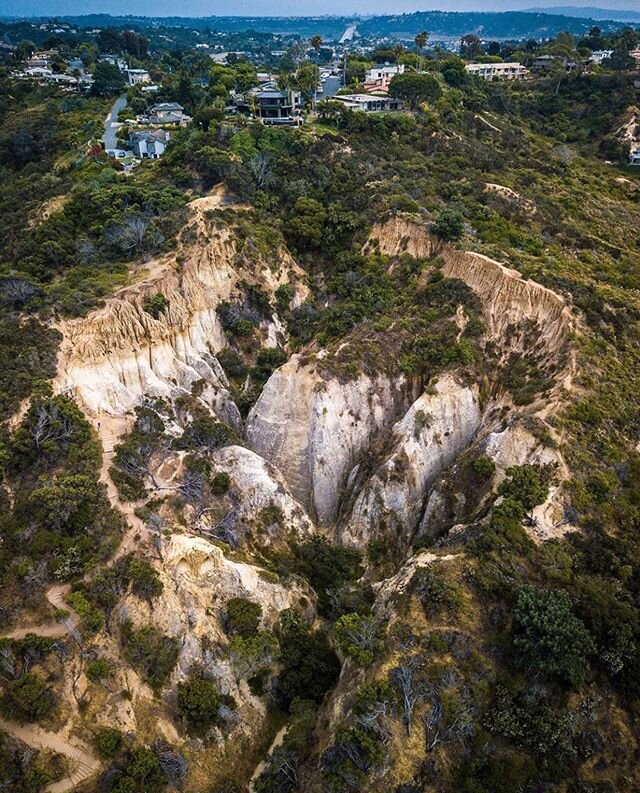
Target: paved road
(331, 87)
(110, 136)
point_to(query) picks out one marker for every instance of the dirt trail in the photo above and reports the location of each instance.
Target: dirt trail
(85, 764)
(55, 628)
(110, 430)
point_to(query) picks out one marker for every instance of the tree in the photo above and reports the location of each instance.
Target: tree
(548, 637)
(108, 80)
(310, 666)
(414, 88)
(68, 503)
(253, 654)
(470, 46)
(449, 224)
(528, 484)
(152, 653)
(421, 42)
(359, 637)
(27, 699)
(199, 702)
(108, 741)
(316, 43)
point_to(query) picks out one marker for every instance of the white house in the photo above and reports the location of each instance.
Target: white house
(369, 104)
(384, 71)
(498, 71)
(137, 76)
(149, 144)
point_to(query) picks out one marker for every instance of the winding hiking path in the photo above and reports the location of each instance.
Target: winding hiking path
(84, 764)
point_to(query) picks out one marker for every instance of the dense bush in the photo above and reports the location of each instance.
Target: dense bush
(548, 637)
(152, 653)
(243, 616)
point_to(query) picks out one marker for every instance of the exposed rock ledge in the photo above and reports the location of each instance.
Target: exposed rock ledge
(436, 428)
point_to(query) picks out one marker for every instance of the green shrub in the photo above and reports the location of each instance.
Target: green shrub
(156, 305)
(152, 653)
(27, 699)
(243, 617)
(359, 637)
(109, 742)
(548, 637)
(199, 702)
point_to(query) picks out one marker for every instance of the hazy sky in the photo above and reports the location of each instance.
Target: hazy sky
(273, 7)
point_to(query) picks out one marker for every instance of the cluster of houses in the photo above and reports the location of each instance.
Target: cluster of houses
(43, 67)
(150, 142)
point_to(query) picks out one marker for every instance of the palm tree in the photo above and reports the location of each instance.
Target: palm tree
(421, 42)
(316, 43)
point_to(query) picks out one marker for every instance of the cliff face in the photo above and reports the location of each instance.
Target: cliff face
(314, 427)
(435, 429)
(520, 315)
(121, 352)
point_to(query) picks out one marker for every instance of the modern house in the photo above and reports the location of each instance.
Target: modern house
(498, 71)
(271, 105)
(634, 155)
(149, 144)
(369, 104)
(381, 71)
(137, 76)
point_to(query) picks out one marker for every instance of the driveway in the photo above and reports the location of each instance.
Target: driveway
(111, 125)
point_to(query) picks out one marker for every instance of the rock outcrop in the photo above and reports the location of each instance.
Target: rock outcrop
(259, 491)
(198, 582)
(437, 427)
(313, 427)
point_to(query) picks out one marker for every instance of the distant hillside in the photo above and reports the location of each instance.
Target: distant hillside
(590, 12)
(509, 25)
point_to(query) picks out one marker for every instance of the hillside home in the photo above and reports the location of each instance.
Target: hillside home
(597, 56)
(378, 77)
(369, 104)
(271, 105)
(498, 71)
(166, 113)
(149, 144)
(137, 76)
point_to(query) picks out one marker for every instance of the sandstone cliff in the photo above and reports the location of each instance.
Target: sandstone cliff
(121, 352)
(436, 428)
(313, 427)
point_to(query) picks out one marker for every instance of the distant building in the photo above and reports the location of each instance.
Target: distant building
(634, 155)
(137, 76)
(498, 71)
(271, 105)
(597, 56)
(369, 104)
(545, 63)
(635, 54)
(149, 144)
